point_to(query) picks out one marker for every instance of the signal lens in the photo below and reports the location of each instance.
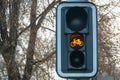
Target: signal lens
(76, 40)
(77, 59)
(76, 18)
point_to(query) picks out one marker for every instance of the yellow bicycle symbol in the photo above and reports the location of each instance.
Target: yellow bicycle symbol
(76, 42)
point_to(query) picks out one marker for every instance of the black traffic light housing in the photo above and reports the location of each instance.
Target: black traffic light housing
(76, 39)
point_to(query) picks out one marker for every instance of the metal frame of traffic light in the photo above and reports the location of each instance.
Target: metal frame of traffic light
(61, 31)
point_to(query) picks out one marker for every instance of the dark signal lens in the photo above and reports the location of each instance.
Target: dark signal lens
(77, 59)
(76, 18)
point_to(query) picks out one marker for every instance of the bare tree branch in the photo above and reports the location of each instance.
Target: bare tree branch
(108, 12)
(42, 15)
(47, 28)
(46, 58)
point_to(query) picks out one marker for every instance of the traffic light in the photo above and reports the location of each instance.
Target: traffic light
(76, 39)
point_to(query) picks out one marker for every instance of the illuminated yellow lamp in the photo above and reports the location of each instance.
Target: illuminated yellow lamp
(76, 40)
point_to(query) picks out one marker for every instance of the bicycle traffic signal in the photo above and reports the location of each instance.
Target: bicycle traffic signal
(76, 39)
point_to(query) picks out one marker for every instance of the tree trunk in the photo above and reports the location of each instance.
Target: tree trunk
(12, 69)
(8, 43)
(32, 39)
(9, 36)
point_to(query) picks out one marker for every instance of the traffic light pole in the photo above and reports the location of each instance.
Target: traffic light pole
(79, 78)
(78, 0)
